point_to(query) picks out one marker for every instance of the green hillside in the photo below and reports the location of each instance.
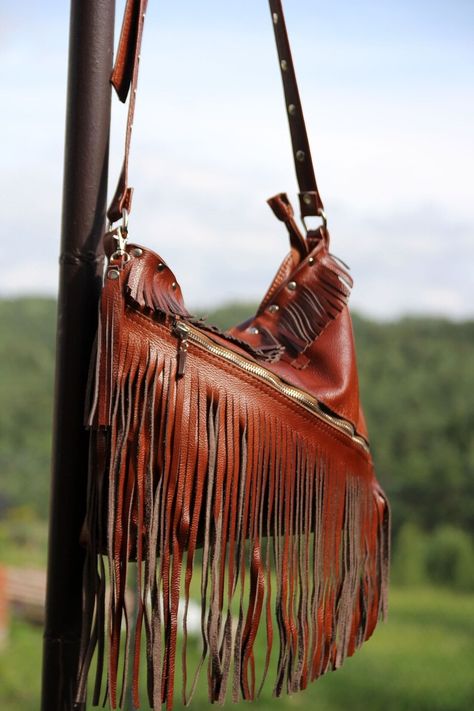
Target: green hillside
(417, 377)
(417, 380)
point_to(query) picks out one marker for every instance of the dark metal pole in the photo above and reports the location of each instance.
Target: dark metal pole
(84, 204)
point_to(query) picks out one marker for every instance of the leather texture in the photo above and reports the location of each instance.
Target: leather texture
(320, 353)
(207, 455)
(240, 458)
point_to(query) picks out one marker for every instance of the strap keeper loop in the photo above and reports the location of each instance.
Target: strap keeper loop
(120, 203)
(311, 204)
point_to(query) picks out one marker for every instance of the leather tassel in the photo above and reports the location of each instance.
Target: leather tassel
(293, 535)
(322, 290)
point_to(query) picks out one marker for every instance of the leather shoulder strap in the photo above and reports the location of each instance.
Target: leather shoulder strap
(125, 77)
(310, 199)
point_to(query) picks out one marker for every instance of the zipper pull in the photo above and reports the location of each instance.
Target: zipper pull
(182, 333)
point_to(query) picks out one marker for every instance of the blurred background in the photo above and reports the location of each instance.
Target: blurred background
(387, 91)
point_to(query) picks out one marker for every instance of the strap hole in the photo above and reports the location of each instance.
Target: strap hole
(300, 156)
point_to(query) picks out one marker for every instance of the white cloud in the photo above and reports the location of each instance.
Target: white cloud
(392, 147)
(30, 276)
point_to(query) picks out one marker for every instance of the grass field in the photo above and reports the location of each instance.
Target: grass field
(421, 659)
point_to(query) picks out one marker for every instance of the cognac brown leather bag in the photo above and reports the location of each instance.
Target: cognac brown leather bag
(233, 466)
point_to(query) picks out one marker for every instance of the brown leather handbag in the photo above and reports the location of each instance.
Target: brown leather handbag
(233, 465)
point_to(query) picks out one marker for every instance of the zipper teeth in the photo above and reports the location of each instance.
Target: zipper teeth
(307, 401)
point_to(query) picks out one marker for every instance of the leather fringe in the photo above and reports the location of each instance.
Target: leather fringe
(152, 288)
(323, 293)
(294, 547)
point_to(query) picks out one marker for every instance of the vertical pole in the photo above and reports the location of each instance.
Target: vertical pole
(81, 259)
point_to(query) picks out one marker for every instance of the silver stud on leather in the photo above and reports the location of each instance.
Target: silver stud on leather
(113, 274)
(284, 65)
(254, 330)
(292, 109)
(292, 285)
(273, 308)
(174, 285)
(307, 199)
(275, 18)
(300, 156)
(160, 267)
(311, 261)
(137, 252)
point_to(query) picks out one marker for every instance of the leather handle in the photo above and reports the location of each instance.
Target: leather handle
(124, 78)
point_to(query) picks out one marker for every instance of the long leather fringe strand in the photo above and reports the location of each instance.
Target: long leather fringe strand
(184, 466)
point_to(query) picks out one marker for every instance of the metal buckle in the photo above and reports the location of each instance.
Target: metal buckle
(323, 217)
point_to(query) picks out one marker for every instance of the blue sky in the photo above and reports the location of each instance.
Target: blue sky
(389, 103)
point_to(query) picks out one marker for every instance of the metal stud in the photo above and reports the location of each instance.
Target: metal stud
(300, 156)
(275, 18)
(307, 199)
(292, 285)
(254, 330)
(311, 261)
(137, 252)
(113, 274)
(160, 267)
(174, 285)
(284, 65)
(273, 308)
(292, 109)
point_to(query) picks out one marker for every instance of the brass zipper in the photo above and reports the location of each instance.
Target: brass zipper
(186, 333)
